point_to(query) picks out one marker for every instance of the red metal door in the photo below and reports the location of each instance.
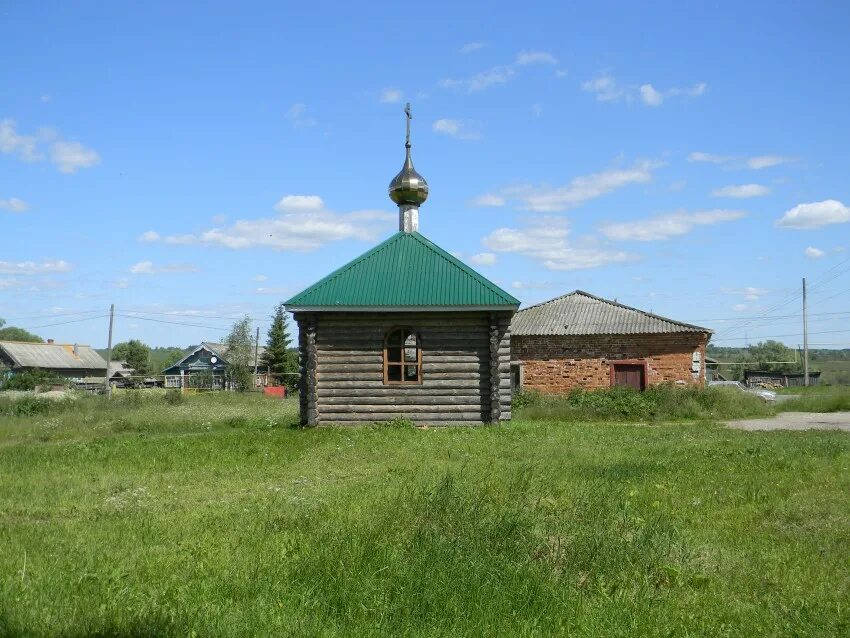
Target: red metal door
(629, 375)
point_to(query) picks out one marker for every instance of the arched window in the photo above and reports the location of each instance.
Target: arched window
(402, 357)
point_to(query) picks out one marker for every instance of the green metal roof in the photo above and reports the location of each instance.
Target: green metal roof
(407, 270)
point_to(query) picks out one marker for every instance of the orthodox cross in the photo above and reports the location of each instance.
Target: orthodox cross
(409, 117)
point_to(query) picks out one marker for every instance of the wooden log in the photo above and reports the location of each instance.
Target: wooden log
(415, 416)
(345, 381)
(400, 391)
(408, 402)
(428, 367)
(428, 375)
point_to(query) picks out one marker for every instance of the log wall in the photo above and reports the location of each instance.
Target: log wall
(465, 368)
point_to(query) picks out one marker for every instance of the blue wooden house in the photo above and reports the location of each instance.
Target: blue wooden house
(204, 368)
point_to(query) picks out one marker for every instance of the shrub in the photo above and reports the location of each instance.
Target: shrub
(174, 397)
(30, 380)
(659, 403)
(25, 406)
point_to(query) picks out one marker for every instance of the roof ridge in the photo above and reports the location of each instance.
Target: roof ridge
(467, 269)
(643, 312)
(543, 303)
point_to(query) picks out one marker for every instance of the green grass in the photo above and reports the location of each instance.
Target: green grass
(215, 517)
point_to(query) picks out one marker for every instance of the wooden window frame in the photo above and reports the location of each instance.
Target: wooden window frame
(629, 362)
(401, 364)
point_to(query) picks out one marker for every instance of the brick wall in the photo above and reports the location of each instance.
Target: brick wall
(556, 364)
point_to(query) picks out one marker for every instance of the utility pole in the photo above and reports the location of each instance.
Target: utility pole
(109, 351)
(805, 338)
(256, 353)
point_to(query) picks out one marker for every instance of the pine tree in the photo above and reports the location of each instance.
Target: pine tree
(281, 361)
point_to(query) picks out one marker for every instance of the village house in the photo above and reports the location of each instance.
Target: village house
(205, 368)
(579, 340)
(406, 331)
(72, 362)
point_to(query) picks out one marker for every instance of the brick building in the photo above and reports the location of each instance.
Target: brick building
(583, 341)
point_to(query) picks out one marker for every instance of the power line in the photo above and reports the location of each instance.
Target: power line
(52, 314)
(175, 323)
(62, 323)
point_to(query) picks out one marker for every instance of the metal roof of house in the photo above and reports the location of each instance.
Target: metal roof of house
(405, 271)
(119, 367)
(218, 349)
(580, 313)
(54, 356)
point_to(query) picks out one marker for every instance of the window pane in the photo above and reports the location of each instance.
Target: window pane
(410, 339)
(394, 355)
(410, 354)
(394, 373)
(410, 373)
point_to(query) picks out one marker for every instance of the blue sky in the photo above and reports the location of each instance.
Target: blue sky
(192, 163)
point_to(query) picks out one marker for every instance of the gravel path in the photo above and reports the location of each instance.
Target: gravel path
(798, 421)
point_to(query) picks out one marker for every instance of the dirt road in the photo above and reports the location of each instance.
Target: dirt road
(797, 421)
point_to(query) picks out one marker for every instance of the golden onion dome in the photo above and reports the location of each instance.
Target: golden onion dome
(408, 187)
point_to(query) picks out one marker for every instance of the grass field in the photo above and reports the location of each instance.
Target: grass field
(215, 517)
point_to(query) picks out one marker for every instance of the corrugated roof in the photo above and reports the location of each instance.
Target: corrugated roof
(218, 349)
(580, 313)
(407, 270)
(55, 356)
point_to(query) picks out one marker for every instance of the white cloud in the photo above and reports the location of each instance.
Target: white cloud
(587, 187)
(471, 47)
(666, 226)
(72, 156)
(650, 96)
(14, 205)
(560, 73)
(298, 116)
(699, 156)
(273, 291)
(814, 253)
(499, 74)
(303, 224)
(532, 285)
(260, 278)
(608, 89)
(605, 88)
(148, 268)
(736, 162)
(537, 109)
(483, 259)
(391, 96)
(547, 242)
(750, 293)
(524, 58)
(121, 283)
(67, 156)
(740, 307)
(766, 161)
(488, 200)
(815, 215)
(33, 268)
(300, 204)
(741, 191)
(480, 81)
(463, 130)
(24, 146)
(149, 236)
